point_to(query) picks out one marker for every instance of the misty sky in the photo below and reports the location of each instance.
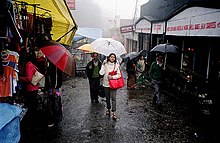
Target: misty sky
(124, 8)
(93, 13)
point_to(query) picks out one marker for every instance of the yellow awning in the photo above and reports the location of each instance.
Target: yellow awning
(64, 26)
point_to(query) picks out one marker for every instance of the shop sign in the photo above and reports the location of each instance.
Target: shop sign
(71, 4)
(158, 28)
(143, 26)
(195, 21)
(126, 29)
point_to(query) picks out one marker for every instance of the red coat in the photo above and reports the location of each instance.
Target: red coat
(30, 70)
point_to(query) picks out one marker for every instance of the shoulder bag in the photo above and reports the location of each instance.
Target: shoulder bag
(116, 83)
(36, 77)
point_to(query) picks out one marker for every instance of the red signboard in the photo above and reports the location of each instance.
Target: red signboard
(71, 4)
(126, 29)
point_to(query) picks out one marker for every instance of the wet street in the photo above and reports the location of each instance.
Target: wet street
(138, 119)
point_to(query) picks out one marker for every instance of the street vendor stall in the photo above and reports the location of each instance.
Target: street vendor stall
(24, 25)
(63, 24)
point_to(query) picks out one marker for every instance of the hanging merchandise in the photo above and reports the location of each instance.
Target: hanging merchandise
(64, 25)
(9, 78)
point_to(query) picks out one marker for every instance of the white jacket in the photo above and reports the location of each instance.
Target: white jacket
(106, 68)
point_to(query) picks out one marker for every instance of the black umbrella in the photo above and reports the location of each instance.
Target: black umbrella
(130, 56)
(143, 52)
(165, 48)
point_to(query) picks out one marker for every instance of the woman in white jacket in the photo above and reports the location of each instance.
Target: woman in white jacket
(108, 66)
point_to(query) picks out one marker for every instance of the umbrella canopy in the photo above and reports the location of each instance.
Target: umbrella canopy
(143, 52)
(86, 48)
(131, 55)
(106, 46)
(165, 48)
(58, 55)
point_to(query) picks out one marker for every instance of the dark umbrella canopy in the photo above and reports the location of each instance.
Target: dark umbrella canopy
(165, 48)
(143, 52)
(58, 55)
(130, 56)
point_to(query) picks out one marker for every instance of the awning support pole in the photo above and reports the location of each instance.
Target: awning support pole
(74, 28)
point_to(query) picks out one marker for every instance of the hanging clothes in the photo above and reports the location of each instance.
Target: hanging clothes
(8, 80)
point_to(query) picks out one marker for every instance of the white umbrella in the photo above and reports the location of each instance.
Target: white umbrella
(107, 46)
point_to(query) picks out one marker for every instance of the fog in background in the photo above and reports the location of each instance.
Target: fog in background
(103, 13)
(87, 14)
(94, 13)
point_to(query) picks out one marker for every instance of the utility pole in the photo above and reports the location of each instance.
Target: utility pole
(133, 21)
(115, 19)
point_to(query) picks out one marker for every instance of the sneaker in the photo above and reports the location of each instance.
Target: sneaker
(50, 125)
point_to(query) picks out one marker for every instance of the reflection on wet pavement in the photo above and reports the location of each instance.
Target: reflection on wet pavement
(138, 119)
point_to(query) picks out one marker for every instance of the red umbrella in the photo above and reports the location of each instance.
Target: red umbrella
(58, 55)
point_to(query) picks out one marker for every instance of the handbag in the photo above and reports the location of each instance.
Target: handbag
(116, 83)
(36, 78)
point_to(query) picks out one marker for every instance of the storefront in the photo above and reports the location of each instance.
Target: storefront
(143, 27)
(196, 30)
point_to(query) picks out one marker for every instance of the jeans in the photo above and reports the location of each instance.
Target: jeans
(110, 96)
(157, 90)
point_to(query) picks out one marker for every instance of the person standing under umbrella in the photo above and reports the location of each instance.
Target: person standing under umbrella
(92, 72)
(108, 66)
(54, 79)
(156, 77)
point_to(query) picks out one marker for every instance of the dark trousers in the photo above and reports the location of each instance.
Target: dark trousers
(55, 112)
(110, 98)
(157, 90)
(33, 116)
(94, 84)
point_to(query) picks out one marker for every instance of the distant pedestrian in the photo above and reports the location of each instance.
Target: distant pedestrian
(140, 75)
(131, 70)
(156, 77)
(92, 71)
(108, 66)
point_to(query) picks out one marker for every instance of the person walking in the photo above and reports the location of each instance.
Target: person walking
(156, 77)
(92, 72)
(131, 70)
(140, 75)
(108, 66)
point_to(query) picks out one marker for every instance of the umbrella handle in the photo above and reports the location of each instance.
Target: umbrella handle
(165, 61)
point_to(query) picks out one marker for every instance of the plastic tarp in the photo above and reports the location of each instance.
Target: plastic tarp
(63, 22)
(9, 123)
(93, 33)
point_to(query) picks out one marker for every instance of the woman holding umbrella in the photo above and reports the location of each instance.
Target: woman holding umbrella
(108, 66)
